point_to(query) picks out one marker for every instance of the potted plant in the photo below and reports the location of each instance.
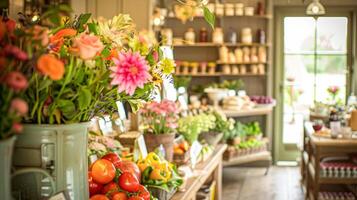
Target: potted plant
(12, 106)
(221, 125)
(193, 125)
(77, 70)
(159, 121)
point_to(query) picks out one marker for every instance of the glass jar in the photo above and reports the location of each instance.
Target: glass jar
(253, 55)
(247, 37)
(217, 36)
(203, 66)
(239, 9)
(219, 9)
(185, 67)
(167, 36)
(231, 58)
(203, 35)
(190, 36)
(232, 36)
(249, 11)
(194, 68)
(246, 55)
(211, 68)
(226, 69)
(229, 9)
(261, 36)
(260, 9)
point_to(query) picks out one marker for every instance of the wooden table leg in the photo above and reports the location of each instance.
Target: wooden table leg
(217, 176)
(317, 173)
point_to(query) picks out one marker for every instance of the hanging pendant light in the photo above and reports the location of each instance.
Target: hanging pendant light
(315, 8)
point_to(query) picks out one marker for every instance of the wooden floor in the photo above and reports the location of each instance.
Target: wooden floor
(281, 183)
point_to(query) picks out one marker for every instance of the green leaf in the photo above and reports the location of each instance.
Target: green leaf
(106, 52)
(67, 108)
(93, 28)
(44, 84)
(209, 16)
(84, 98)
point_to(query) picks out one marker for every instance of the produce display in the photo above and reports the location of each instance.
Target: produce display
(116, 179)
(238, 103)
(262, 99)
(181, 148)
(191, 126)
(158, 173)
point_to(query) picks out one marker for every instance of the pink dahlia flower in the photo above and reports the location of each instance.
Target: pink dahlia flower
(19, 107)
(16, 81)
(130, 71)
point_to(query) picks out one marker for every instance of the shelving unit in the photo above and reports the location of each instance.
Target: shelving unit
(314, 149)
(255, 84)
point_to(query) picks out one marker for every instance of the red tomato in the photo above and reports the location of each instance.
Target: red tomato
(110, 189)
(119, 196)
(129, 182)
(103, 171)
(112, 157)
(99, 197)
(136, 198)
(144, 193)
(131, 167)
(94, 188)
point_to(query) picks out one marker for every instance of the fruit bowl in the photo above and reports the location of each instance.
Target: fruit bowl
(216, 95)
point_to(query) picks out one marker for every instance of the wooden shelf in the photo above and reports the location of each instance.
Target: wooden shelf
(218, 75)
(212, 165)
(210, 44)
(224, 16)
(260, 156)
(327, 180)
(251, 63)
(252, 112)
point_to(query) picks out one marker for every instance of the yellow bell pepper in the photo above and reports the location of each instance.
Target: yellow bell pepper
(160, 174)
(142, 164)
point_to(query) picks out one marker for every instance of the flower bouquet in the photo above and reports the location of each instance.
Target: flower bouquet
(78, 69)
(159, 121)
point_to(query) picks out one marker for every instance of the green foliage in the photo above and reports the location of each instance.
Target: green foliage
(182, 81)
(231, 85)
(209, 17)
(191, 126)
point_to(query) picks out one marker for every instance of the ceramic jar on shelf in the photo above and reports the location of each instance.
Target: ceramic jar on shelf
(190, 36)
(247, 37)
(262, 55)
(185, 67)
(194, 68)
(246, 55)
(203, 68)
(226, 69)
(217, 36)
(239, 55)
(223, 54)
(261, 69)
(239, 9)
(249, 11)
(211, 68)
(243, 69)
(253, 55)
(203, 36)
(235, 69)
(219, 9)
(229, 9)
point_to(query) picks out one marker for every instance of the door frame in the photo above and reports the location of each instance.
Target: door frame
(290, 152)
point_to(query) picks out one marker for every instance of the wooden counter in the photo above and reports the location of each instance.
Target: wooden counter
(212, 166)
(316, 148)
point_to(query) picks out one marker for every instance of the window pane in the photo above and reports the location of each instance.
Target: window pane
(299, 73)
(332, 35)
(331, 71)
(299, 34)
(331, 64)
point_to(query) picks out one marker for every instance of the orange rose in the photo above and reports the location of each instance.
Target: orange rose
(88, 45)
(57, 39)
(49, 65)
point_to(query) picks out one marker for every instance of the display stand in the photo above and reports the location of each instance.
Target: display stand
(315, 148)
(210, 167)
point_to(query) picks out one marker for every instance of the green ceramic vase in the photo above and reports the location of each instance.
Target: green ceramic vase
(6, 149)
(61, 151)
